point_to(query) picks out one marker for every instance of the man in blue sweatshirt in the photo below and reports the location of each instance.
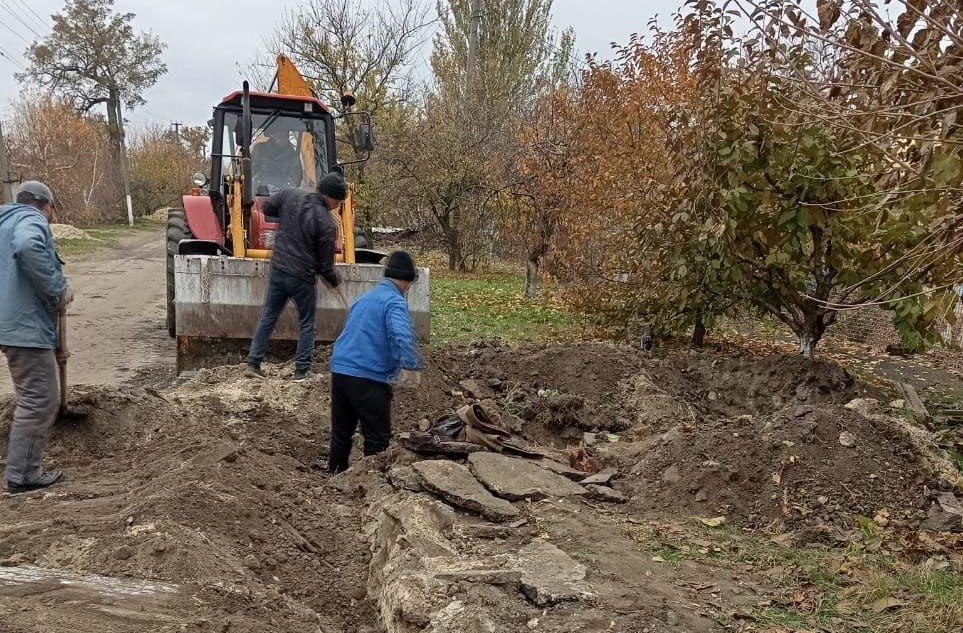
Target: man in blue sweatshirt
(377, 350)
(32, 291)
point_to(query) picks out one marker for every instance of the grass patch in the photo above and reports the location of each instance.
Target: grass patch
(466, 307)
(858, 588)
(956, 457)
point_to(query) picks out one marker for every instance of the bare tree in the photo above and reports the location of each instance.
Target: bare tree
(91, 57)
(341, 46)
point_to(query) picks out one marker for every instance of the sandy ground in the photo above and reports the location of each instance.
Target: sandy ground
(116, 322)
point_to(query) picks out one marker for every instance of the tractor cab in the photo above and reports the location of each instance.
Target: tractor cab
(292, 145)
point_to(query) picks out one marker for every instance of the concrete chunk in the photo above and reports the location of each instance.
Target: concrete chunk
(455, 484)
(549, 575)
(603, 478)
(512, 478)
(604, 493)
(561, 469)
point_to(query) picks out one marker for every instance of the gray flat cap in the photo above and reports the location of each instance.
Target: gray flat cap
(36, 189)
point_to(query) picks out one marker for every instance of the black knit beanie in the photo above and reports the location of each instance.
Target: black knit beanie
(333, 186)
(400, 265)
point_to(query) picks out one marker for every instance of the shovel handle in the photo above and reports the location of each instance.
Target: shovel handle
(61, 355)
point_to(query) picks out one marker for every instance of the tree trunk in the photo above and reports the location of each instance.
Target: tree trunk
(814, 326)
(455, 260)
(531, 278)
(698, 333)
(113, 129)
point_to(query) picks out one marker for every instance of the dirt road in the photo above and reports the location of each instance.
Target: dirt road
(117, 319)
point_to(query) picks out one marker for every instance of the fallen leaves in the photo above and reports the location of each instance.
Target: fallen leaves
(714, 522)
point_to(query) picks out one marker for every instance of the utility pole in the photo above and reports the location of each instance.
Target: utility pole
(471, 74)
(123, 164)
(6, 177)
(177, 129)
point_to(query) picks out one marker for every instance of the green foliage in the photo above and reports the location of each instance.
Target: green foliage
(745, 173)
(161, 165)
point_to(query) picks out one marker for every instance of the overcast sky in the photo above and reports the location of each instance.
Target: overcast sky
(209, 42)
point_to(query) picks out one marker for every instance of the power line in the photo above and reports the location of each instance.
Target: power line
(7, 26)
(39, 18)
(13, 61)
(19, 19)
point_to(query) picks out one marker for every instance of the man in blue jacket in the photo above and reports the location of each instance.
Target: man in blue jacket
(377, 349)
(32, 291)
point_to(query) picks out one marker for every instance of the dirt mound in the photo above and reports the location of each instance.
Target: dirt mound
(560, 391)
(207, 487)
(749, 385)
(68, 232)
(801, 466)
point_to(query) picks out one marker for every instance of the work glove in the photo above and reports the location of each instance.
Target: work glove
(408, 379)
(67, 298)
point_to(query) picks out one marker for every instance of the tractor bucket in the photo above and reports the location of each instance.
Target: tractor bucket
(218, 299)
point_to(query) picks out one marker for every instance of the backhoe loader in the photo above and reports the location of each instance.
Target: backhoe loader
(219, 244)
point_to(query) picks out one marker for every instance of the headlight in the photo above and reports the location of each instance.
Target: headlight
(199, 179)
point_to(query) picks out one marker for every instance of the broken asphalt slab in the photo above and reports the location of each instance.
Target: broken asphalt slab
(515, 479)
(455, 484)
(549, 575)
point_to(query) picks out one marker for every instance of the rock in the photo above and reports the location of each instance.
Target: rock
(15, 559)
(251, 562)
(404, 477)
(601, 478)
(513, 478)
(123, 552)
(939, 520)
(864, 406)
(482, 576)
(802, 411)
(899, 403)
(549, 575)
(561, 469)
(457, 617)
(701, 496)
(604, 493)
(671, 475)
(671, 435)
(949, 503)
(847, 439)
(589, 438)
(454, 483)
(474, 389)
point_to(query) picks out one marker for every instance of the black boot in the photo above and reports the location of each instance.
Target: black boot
(43, 481)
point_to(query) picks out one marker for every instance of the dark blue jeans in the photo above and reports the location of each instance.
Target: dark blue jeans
(283, 287)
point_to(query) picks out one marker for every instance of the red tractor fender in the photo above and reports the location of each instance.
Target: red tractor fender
(201, 219)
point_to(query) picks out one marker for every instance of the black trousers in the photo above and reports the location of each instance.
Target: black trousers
(353, 400)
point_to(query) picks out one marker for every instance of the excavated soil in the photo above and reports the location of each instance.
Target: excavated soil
(208, 485)
(209, 489)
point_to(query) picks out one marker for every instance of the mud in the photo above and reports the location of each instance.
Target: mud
(208, 487)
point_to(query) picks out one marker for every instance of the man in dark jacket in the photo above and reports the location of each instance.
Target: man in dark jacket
(32, 291)
(303, 250)
(377, 349)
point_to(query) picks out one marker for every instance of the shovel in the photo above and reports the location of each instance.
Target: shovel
(67, 413)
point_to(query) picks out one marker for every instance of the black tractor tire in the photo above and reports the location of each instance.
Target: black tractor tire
(177, 230)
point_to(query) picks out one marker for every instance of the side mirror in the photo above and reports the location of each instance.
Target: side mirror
(364, 137)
